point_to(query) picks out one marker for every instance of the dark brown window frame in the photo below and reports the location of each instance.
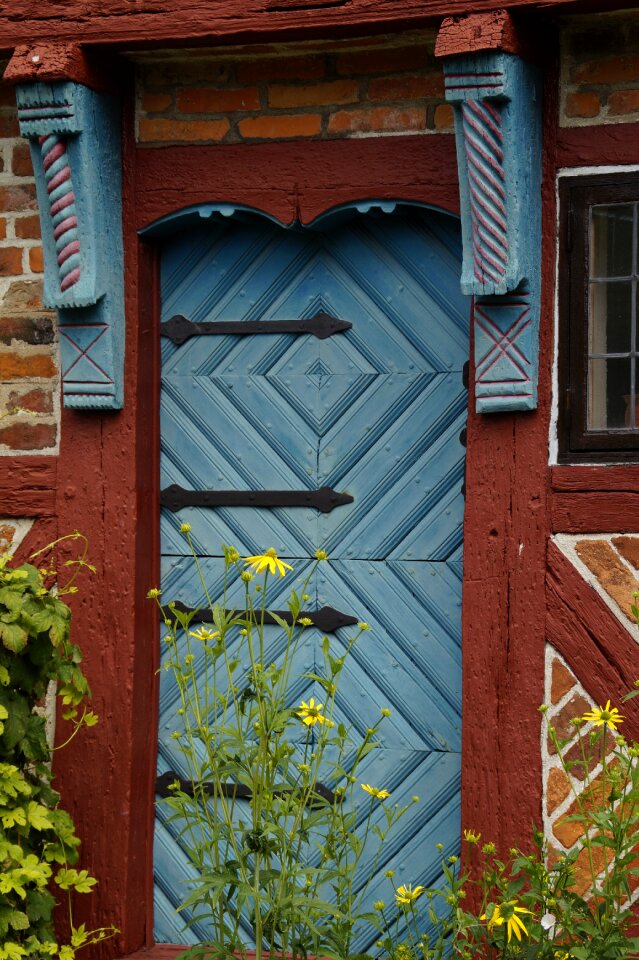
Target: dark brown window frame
(576, 196)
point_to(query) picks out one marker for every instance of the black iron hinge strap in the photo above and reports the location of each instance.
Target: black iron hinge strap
(325, 499)
(326, 619)
(239, 791)
(179, 329)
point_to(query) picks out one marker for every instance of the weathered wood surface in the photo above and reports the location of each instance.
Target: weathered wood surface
(624, 479)
(27, 486)
(298, 180)
(144, 23)
(599, 650)
(598, 512)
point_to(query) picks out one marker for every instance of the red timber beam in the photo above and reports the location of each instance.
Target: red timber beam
(505, 537)
(147, 23)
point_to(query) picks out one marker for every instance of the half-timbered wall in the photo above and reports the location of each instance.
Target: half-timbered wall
(319, 90)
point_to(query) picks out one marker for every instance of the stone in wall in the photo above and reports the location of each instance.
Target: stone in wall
(29, 381)
(600, 69)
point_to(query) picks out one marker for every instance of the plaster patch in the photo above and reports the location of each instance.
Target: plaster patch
(12, 533)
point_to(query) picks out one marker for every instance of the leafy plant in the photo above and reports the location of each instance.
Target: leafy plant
(38, 843)
(267, 813)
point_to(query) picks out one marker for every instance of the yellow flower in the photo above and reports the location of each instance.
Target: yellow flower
(204, 634)
(471, 837)
(604, 716)
(406, 894)
(311, 713)
(321, 555)
(374, 792)
(507, 913)
(305, 621)
(269, 561)
(154, 593)
(185, 528)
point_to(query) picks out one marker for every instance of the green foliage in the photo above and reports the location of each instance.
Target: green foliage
(531, 906)
(285, 859)
(37, 838)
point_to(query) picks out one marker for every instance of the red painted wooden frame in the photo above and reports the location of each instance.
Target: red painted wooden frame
(105, 483)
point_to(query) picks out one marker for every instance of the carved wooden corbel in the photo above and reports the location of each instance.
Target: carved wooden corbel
(74, 135)
(497, 103)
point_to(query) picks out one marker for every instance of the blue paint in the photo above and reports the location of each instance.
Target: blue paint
(376, 411)
(497, 101)
(74, 135)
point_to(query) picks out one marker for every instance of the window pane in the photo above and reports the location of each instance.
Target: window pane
(610, 317)
(608, 394)
(611, 241)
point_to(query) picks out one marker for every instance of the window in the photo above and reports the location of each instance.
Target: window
(599, 346)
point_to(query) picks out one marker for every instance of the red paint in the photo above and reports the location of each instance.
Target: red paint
(477, 31)
(27, 486)
(147, 23)
(48, 62)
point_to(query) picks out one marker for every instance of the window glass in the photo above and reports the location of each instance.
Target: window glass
(612, 294)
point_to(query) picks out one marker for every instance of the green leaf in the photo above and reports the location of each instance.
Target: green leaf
(13, 636)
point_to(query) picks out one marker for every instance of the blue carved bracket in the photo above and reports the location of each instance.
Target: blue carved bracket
(74, 134)
(497, 103)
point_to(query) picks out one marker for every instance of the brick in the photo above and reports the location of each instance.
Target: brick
(281, 127)
(36, 400)
(218, 101)
(179, 73)
(612, 574)
(281, 68)
(377, 119)
(9, 125)
(3, 228)
(574, 757)
(582, 105)
(16, 366)
(561, 680)
(28, 228)
(29, 436)
(623, 101)
(444, 117)
(36, 260)
(390, 60)
(23, 295)
(35, 330)
(10, 261)
(592, 798)
(614, 69)
(182, 131)
(313, 95)
(584, 879)
(156, 102)
(576, 707)
(21, 165)
(557, 788)
(16, 198)
(628, 547)
(412, 87)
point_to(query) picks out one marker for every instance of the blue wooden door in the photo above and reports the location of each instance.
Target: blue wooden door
(378, 412)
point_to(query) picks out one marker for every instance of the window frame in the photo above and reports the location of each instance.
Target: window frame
(577, 195)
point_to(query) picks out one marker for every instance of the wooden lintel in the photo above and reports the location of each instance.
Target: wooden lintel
(474, 32)
(132, 24)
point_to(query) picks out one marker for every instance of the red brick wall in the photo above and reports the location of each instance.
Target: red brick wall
(600, 70)
(28, 351)
(322, 90)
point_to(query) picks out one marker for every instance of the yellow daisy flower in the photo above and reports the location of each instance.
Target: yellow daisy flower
(311, 713)
(471, 837)
(374, 792)
(204, 634)
(507, 913)
(406, 894)
(604, 716)
(269, 561)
